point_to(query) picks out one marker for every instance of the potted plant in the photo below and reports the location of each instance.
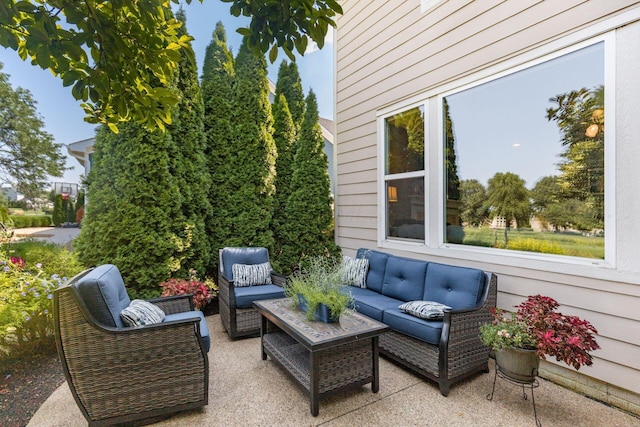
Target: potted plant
(317, 288)
(536, 330)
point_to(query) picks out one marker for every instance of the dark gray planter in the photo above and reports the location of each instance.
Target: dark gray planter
(518, 364)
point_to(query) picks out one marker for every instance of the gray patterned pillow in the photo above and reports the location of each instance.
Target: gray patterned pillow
(430, 310)
(251, 274)
(355, 271)
(141, 312)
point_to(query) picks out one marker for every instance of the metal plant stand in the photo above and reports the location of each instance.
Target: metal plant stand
(531, 384)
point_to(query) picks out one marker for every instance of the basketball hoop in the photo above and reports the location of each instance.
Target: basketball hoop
(65, 196)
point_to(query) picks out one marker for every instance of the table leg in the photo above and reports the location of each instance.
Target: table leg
(263, 330)
(314, 386)
(375, 385)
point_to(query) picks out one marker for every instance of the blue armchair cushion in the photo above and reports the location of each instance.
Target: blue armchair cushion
(425, 309)
(458, 287)
(404, 279)
(251, 274)
(247, 295)
(141, 313)
(104, 294)
(204, 330)
(355, 271)
(230, 256)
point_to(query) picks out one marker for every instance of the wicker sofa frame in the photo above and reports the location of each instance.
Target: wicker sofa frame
(121, 375)
(460, 352)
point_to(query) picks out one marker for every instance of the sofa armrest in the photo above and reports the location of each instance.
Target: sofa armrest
(174, 304)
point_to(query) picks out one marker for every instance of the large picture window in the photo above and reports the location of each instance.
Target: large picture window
(524, 159)
(404, 174)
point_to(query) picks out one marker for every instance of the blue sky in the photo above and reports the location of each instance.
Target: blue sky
(63, 116)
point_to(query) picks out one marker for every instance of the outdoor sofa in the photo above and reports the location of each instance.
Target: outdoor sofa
(121, 374)
(445, 350)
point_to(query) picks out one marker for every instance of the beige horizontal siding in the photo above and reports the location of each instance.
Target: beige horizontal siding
(390, 53)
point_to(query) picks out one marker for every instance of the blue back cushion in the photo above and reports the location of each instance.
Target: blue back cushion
(404, 278)
(230, 256)
(104, 294)
(377, 265)
(457, 287)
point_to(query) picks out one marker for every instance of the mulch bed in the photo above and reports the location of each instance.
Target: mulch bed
(25, 384)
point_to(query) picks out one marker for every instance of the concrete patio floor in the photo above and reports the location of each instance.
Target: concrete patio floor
(247, 391)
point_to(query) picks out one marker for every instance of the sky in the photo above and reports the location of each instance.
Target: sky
(63, 117)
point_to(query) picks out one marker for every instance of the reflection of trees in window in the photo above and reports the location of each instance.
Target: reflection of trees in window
(580, 117)
(508, 197)
(451, 166)
(405, 139)
(473, 211)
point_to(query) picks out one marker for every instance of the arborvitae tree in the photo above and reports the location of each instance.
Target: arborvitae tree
(284, 136)
(133, 200)
(189, 166)
(217, 85)
(309, 217)
(250, 180)
(58, 216)
(289, 84)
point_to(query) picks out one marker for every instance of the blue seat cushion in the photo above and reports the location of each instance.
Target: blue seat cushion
(104, 294)
(247, 256)
(372, 304)
(377, 265)
(204, 330)
(247, 295)
(457, 287)
(424, 330)
(404, 278)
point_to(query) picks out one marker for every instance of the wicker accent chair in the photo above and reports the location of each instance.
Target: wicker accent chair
(238, 316)
(120, 374)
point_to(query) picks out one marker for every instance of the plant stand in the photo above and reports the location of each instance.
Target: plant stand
(528, 384)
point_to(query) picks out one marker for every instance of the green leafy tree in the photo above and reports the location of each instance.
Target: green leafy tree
(289, 84)
(217, 92)
(451, 164)
(250, 158)
(309, 216)
(133, 202)
(189, 167)
(508, 197)
(119, 56)
(473, 196)
(28, 154)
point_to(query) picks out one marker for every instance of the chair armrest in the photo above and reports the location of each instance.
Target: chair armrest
(175, 303)
(278, 279)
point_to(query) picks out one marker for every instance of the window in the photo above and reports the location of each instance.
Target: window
(524, 158)
(404, 174)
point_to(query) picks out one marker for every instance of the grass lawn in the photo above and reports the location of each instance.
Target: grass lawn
(565, 243)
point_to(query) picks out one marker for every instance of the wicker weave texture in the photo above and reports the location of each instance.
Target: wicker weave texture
(338, 367)
(466, 354)
(129, 373)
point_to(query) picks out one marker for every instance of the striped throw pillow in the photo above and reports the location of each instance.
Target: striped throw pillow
(251, 274)
(430, 310)
(355, 271)
(141, 312)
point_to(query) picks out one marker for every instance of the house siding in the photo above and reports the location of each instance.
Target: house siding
(391, 54)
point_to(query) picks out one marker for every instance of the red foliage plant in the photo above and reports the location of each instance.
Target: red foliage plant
(202, 293)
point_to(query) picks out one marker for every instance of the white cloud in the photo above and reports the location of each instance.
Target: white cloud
(328, 40)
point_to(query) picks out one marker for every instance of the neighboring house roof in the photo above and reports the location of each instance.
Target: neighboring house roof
(80, 149)
(327, 129)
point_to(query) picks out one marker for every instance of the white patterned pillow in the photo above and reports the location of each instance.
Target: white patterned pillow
(251, 274)
(425, 309)
(355, 271)
(141, 312)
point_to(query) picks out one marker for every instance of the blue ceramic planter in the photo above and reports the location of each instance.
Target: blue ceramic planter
(322, 313)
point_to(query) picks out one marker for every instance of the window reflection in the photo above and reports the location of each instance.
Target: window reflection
(524, 159)
(405, 208)
(405, 141)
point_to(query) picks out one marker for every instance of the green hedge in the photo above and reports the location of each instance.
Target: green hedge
(31, 221)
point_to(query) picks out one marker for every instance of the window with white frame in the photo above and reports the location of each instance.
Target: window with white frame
(524, 158)
(404, 174)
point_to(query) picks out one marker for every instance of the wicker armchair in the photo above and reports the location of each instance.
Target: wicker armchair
(121, 374)
(238, 316)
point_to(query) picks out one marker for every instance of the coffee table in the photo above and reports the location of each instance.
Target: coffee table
(323, 358)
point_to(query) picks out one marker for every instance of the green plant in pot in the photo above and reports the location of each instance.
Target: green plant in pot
(317, 288)
(536, 330)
